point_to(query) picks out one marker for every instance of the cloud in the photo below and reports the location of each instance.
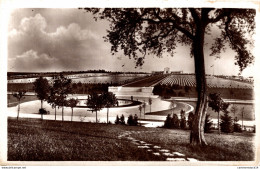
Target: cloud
(71, 46)
(31, 60)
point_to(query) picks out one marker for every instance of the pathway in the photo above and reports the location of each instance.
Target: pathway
(155, 149)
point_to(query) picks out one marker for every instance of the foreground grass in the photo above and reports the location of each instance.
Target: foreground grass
(33, 139)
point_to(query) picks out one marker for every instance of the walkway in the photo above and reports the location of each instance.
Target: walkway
(155, 149)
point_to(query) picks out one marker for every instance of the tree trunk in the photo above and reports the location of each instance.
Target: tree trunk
(107, 114)
(197, 132)
(41, 103)
(96, 116)
(62, 113)
(218, 124)
(18, 110)
(55, 113)
(71, 114)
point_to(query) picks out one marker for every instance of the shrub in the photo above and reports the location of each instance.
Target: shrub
(117, 121)
(122, 120)
(132, 121)
(183, 120)
(167, 122)
(43, 111)
(171, 122)
(226, 123)
(190, 120)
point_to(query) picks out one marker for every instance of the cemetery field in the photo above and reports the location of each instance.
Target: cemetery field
(43, 140)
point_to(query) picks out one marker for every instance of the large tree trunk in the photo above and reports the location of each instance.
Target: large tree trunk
(197, 132)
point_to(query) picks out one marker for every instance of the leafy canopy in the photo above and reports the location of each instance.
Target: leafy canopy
(141, 31)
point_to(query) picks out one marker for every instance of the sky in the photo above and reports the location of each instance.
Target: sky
(66, 39)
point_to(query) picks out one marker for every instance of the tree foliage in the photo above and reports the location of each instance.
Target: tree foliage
(61, 89)
(172, 122)
(226, 123)
(42, 88)
(72, 102)
(132, 120)
(157, 31)
(94, 102)
(183, 120)
(217, 104)
(108, 100)
(190, 120)
(140, 32)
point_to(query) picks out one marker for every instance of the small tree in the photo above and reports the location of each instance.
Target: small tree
(190, 120)
(144, 106)
(150, 101)
(61, 88)
(208, 124)
(217, 104)
(132, 121)
(226, 123)
(175, 121)
(19, 96)
(42, 111)
(53, 100)
(42, 88)
(140, 109)
(72, 103)
(183, 120)
(167, 122)
(117, 121)
(95, 103)
(109, 99)
(122, 120)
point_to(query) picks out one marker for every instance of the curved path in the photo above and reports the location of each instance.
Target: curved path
(161, 107)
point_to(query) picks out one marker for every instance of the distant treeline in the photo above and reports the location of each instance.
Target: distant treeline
(17, 75)
(77, 88)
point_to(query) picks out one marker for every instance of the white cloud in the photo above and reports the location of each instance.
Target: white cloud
(31, 60)
(71, 45)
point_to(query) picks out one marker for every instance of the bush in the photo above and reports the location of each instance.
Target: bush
(183, 120)
(122, 120)
(43, 111)
(190, 120)
(132, 121)
(226, 123)
(117, 121)
(172, 122)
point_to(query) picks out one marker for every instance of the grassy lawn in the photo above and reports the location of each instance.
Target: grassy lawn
(12, 101)
(33, 139)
